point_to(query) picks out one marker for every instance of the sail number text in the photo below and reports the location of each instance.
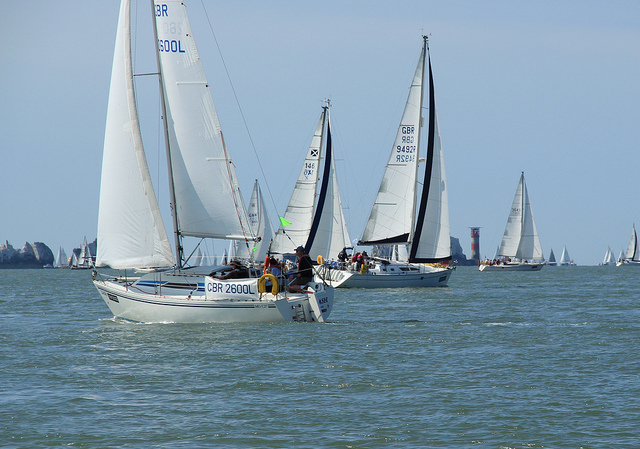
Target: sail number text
(309, 168)
(169, 45)
(405, 152)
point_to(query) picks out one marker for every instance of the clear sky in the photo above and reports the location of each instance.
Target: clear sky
(551, 88)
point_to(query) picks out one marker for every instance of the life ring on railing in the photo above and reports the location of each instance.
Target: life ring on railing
(262, 284)
(320, 260)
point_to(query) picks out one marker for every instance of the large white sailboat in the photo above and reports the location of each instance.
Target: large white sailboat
(632, 255)
(520, 249)
(401, 216)
(205, 197)
(314, 218)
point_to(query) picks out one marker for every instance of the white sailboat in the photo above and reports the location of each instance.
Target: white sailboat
(632, 255)
(260, 226)
(609, 258)
(62, 261)
(399, 216)
(84, 261)
(565, 260)
(314, 218)
(205, 197)
(520, 249)
(552, 259)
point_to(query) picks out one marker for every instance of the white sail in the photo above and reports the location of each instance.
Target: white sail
(61, 259)
(330, 234)
(564, 258)
(296, 222)
(632, 252)
(520, 239)
(198, 260)
(432, 240)
(314, 217)
(392, 215)
(206, 190)
(260, 226)
(609, 258)
(130, 229)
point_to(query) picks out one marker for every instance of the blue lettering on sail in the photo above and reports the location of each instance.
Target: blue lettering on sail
(170, 46)
(161, 11)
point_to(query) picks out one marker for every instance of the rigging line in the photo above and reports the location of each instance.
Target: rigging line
(253, 146)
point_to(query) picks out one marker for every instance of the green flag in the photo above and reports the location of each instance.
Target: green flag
(284, 222)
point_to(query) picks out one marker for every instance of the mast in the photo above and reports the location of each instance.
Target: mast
(172, 193)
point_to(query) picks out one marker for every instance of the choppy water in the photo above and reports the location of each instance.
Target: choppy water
(496, 360)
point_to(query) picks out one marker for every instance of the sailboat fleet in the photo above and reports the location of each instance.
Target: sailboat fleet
(407, 229)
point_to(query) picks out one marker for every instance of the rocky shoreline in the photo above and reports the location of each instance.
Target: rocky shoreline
(32, 255)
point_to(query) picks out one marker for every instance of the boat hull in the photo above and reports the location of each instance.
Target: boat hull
(128, 301)
(512, 267)
(628, 263)
(396, 278)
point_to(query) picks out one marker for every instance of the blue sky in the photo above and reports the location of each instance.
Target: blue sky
(549, 88)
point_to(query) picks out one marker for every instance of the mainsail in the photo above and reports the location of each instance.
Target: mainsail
(632, 252)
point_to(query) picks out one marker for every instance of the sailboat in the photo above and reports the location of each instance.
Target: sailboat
(632, 255)
(609, 258)
(204, 192)
(552, 259)
(260, 226)
(61, 259)
(565, 260)
(84, 260)
(393, 221)
(520, 249)
(314, 218)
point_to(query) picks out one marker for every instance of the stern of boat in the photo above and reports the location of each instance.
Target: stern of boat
(313, 306)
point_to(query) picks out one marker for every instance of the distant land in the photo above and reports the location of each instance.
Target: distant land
(34, 255)
(37, 255)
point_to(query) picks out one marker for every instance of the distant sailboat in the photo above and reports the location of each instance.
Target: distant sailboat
(552, 259)
(261, 227)
(520, 247)
(609, 258)
(632, 255)
(565, 260)
(84, 260)
(61, 259)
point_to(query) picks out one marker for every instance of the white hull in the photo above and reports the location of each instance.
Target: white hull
(628, 263)
(524, 266)
(389, 276)
(150, 300)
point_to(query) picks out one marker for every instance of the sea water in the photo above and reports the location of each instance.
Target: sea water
(495, 360)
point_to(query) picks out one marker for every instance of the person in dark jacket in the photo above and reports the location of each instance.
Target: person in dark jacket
(304, 275)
